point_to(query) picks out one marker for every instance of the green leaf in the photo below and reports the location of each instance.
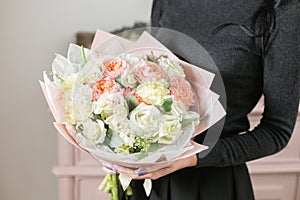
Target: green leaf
(132, 102)
(142, 155)
(82, 55)
(153, 147)
(167, 105)
(118, 80)
(187, 121)
(112, 139)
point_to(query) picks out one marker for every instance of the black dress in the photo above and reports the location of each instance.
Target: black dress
(223, 174)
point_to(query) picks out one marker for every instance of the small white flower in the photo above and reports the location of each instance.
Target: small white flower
(146, 118)
(128, 137)
(111, 103)
(94, 131)
(171, 67)
(128, 79)
(169, 130)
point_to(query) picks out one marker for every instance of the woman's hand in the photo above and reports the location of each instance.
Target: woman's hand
(144, 174)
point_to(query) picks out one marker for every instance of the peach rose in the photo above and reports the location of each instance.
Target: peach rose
(148, 70)
(104, 85)
(182, 91)
(113, 68)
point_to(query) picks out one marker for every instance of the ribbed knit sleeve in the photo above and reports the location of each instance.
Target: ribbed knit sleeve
(281, 94)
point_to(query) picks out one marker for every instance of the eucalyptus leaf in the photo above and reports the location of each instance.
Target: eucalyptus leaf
(132, 102)
(153, 147)
(112, 139)
(118, 80)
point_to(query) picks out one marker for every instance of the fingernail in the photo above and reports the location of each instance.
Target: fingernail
(142, 172)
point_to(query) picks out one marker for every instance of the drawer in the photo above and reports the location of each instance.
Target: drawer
(275, 186)
(87, 188)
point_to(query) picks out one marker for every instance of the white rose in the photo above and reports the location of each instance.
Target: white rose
(128, 79)
(146, 118)
(94, 131)
(169, 130)
(171, 67)
(111, 103)
(78, 104)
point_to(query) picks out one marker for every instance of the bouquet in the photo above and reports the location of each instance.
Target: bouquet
(130, 103)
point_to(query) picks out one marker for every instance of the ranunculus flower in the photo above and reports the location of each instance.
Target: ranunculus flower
(148, 70)
(94, 131)
(169, 130)
(104, 86)
(182, 91)
(153, 91)
(114, 68)
(111, 103)
(147, 119)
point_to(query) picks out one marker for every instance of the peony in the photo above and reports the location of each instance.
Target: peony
(78, 104)
(146, 118)
(182, 91)
(114, 68)
(68, 83)
(104, 86)
(169, 130)
(111, 103)
(153, 91)
(94, 131)
(148, 70)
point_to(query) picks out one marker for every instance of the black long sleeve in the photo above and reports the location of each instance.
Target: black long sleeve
(245, 77)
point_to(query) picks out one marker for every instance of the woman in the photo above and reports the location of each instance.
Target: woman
(255, 45)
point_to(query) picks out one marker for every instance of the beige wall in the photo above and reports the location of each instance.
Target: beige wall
(31, 31)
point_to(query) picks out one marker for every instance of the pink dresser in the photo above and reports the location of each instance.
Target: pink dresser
(274, 178)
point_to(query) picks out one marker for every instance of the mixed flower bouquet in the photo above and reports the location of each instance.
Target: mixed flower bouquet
(130, 104)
